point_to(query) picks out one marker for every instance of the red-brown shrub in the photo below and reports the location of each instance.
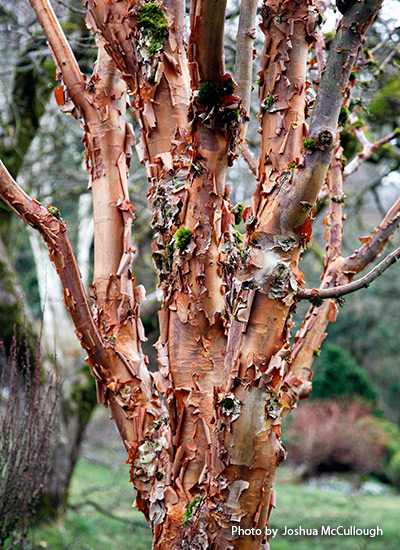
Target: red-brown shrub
(333, 436)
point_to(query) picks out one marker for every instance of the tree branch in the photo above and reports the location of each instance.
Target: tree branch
(368, 149)
(111, 370)
(342, 290)
(384, 41)
(244, 53)
(108, 140)
(341, 270)
(159, 80)
(389, 57)
(54, 233)
(206, 42)
(334, 220)
(282, 90)
(320, 52)
(249, 158)
(324, 121)
(61, 50)
(244, 70)
(375, 243)
(106, 512)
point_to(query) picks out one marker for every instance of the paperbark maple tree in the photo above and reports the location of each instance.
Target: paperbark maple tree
(203, 432)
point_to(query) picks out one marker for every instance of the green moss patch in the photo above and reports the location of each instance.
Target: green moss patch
(208, 93)
(154, 26)
(182, 238)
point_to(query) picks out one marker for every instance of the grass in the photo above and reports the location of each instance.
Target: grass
(87, 529)
(313, 507)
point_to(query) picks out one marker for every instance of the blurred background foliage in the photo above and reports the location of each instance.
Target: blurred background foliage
(357, 375)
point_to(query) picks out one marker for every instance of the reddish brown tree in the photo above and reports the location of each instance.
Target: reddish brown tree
(203, 432)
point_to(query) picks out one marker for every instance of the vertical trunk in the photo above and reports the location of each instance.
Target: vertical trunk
(74, 407)
(14, 315)
(75, 402)
(208, 463)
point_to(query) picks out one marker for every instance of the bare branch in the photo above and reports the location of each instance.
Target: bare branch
(324, 121)
(61, 50)
(110, 369)
(341, 270)
(368, 149)
(319, 46)
(341, 58)
(250, 159)
(342, 290)
(206, 42)
(334, 219)
(106, 512)
(389, 57)
(384, 41)
(244, 53)
(70, 7)
(108, 140)
(308, 339)
(375, 243)
(54, 233)
(244, 70)
(320, 52)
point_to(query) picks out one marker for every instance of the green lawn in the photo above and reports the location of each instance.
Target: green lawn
(313, 507)
(86, 528)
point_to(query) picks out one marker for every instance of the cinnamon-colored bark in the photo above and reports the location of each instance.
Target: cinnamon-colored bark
(204, 455)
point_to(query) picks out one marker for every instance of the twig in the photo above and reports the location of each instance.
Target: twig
(384, 41)
(375, 243)
(389, 57)
(342, 290)
(101, 510)
(367, 151)
(249, 158)
(66, 5)
(312, 332)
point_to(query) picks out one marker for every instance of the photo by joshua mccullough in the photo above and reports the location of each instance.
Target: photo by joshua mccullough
(323, 531)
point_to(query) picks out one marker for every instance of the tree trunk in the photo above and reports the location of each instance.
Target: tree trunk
(75, 401)
(14, 314)
(203, 432)
(74, 409)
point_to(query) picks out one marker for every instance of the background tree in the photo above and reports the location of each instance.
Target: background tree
(208, 459)
(26, 85)
(27, 419)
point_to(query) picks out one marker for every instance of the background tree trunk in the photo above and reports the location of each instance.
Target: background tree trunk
(31, 90)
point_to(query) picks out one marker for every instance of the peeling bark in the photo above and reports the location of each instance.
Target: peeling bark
(341, 271)
(203, 433)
